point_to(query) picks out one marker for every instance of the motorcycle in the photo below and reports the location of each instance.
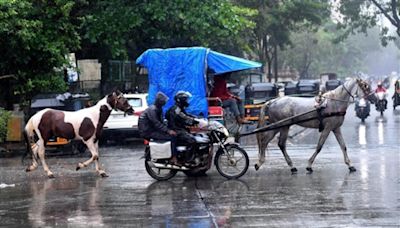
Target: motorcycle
(362, 109)
(230, 159)
(381, 102)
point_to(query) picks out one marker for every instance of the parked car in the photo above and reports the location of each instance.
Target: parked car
(120, 126)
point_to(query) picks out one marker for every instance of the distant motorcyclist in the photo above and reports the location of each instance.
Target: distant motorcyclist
(396, 89)
(381, 89)
(151, 125)
(179, 120)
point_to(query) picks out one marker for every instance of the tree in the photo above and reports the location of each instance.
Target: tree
(34, 39)
(359, 15)
(315, 52)
(127, 28)
(36, 36)
(276, 19)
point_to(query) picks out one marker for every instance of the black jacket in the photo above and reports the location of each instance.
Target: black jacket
(178, 119)
(151, 119)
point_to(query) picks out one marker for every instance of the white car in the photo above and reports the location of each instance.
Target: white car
(120, 126)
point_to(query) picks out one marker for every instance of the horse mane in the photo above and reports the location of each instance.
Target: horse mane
(336, 90)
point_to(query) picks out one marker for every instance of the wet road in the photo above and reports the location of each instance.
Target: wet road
(270, 197)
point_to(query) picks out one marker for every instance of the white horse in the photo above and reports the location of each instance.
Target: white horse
(85, 124)
(329, 118)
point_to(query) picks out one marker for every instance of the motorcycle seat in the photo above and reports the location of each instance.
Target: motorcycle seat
(158, 141)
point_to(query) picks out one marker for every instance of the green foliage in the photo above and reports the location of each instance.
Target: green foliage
(360, 15)
(4, 116)
(276, 19)
(35, 36)
(129, 27)
(314, 52)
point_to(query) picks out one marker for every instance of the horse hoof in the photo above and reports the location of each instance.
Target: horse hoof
(78, 168)
(309, 169)
(294, 170)
(27, 169)
(103, 175)
(256, 167)
(51, 176)
(352, 169)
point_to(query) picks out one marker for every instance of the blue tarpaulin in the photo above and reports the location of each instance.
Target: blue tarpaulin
(174, 69)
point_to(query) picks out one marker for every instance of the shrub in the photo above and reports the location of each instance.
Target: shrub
(4, 116)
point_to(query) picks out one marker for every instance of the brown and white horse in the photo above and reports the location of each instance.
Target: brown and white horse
(85, 124)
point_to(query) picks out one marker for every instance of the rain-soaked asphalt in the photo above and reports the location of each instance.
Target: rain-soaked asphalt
(270, 197)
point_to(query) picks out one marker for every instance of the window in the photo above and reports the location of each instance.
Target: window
(135, 102)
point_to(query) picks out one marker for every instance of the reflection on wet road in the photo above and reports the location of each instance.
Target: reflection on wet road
(270, 197)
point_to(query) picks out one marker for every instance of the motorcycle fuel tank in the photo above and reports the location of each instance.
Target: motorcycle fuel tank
(201, 138)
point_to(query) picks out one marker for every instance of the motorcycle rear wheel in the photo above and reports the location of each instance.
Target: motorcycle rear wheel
(159, 174)
(233, 166)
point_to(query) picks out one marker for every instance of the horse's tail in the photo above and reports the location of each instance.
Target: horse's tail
(29, 134)
(261, 119)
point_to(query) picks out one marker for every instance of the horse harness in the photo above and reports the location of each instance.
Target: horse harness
(364, 87)
(321, 116)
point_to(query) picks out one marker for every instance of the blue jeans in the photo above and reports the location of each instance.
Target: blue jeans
(234, 106)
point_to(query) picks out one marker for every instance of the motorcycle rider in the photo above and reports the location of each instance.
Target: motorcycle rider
(381, 89)
(179, 120)
(234, 103)
(366, 105)
(151, 125)
(396, 94)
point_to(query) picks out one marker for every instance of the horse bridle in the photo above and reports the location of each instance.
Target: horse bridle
(116, 101)
(364, 87)
(348, 92)
(361, 84)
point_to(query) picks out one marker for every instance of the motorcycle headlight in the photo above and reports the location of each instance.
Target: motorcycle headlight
(362, 103)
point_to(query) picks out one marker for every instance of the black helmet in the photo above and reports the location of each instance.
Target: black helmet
(182, 98)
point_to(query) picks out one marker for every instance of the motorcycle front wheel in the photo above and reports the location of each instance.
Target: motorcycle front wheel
(157, 173)
(233, 163)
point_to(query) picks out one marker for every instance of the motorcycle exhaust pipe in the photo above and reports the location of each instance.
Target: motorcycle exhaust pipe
(167, 166)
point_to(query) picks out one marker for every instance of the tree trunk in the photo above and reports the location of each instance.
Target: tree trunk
(276, 62)
(269, 63)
